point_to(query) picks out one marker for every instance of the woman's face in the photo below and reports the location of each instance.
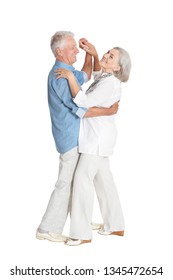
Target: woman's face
(109, 61)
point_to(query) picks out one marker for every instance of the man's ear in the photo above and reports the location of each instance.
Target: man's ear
(58, 52)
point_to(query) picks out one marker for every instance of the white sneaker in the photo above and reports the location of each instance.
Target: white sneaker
(96, 226)
(55, 237)
(76, 242)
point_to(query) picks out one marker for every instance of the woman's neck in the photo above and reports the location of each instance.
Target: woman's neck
(108, 71)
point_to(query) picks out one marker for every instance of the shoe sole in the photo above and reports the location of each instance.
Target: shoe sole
(119, 233)
(81, 242)
(85, 241)
(49, 239)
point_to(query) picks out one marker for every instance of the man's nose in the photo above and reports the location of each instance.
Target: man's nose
(77, 50)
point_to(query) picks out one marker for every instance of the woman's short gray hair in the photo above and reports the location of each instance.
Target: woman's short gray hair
(125, 65)
(58, 40)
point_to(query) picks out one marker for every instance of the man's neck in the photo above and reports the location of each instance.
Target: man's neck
(59, 58)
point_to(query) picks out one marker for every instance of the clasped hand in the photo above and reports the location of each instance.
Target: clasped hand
(88, 47)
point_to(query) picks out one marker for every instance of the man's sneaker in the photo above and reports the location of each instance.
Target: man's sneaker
(55, 237)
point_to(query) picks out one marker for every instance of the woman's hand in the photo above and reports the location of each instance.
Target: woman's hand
(63, 73)
(67, 74)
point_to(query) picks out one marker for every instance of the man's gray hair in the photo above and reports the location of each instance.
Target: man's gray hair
(125, 65)
(58, 40)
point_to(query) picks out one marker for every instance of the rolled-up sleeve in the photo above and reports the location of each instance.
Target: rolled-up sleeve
(85, 76)
(81, 112)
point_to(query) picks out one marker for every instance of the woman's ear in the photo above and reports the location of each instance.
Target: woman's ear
(117, 68)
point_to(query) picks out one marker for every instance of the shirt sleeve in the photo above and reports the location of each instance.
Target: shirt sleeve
(85, 76)
(100, 95)
(81, 77)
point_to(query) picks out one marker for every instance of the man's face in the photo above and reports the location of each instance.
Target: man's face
(70, 51)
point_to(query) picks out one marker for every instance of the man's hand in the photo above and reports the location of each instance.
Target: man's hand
(114, 108)
(82, 43)
(101, 112)
(88, 47)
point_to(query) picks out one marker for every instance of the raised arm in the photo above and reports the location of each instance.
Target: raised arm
(87, 67)
(90, 50)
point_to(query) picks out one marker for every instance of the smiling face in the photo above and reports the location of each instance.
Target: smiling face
(110, 61)
(68, 53)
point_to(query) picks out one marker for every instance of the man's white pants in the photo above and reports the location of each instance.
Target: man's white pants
(94, 171)
(58, 206)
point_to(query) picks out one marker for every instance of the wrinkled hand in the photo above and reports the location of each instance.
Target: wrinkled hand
(82, 43)
(63, 73)
(88, 47)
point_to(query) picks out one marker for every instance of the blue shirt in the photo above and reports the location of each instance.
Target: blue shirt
(65, 115)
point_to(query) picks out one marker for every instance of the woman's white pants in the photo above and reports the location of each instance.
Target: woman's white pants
(94, 171)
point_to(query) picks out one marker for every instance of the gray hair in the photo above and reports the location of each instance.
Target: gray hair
(58, 40)
(125, 65)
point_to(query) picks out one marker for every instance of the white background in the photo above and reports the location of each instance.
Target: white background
(142, 162)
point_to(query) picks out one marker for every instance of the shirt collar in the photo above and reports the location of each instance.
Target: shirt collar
(60, 64)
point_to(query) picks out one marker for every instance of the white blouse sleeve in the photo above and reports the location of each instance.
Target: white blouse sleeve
(104, 92)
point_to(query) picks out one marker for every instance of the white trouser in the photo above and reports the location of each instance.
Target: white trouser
(93, 171)
(58, 206)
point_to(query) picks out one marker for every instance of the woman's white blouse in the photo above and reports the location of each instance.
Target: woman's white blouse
(97, 135)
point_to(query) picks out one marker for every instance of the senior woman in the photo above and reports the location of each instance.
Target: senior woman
(97, 139)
